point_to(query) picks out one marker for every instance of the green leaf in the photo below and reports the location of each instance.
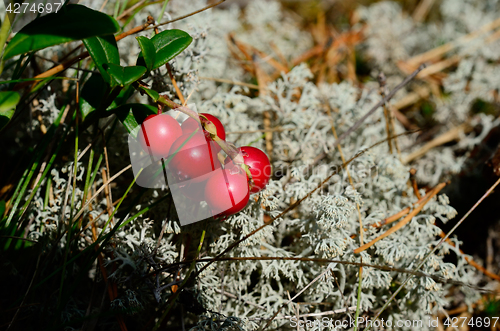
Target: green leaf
(168, 44)
(92, 94)
(103, 50)
(124, 75)
(8, 103)
(72, 22)
(151, 93)
(148, 53)
(2, 207)
(132, 114)
(122, 98)
(92, 98)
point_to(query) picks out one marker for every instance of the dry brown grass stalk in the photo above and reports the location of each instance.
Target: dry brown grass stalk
(404, 221)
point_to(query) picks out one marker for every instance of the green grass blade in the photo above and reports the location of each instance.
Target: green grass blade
(162, 12)
(119, 203)
(130, 219)
(87, 176)
(44, 174)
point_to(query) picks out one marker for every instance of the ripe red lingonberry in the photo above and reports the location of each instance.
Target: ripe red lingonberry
(258, 164)
(195, 189)
(192, 157)
(189, 125)
(226, 192)
(158, 133)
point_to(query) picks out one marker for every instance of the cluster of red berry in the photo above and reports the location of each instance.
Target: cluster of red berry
(194, 159)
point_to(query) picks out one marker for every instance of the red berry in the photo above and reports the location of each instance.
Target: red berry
(195, 189)
(157, 134)
(226, 192)
(260, 167)
(189, 125)
(194, 159)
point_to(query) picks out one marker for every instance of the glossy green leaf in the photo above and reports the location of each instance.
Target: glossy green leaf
(148, 53)
(92, 94)
(92, 97)
(2, 207)
(124, 75)
(72, 22)
(132, 114)
(168, 44)
(8, 103)
(122, 98)
(151, 93)
(103, 50)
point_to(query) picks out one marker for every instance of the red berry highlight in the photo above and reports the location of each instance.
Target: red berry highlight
(194, 159)
(189, 125)
(226, 192)
(158, 133)
(259, 165)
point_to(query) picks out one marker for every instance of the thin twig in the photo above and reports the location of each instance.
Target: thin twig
(265, 57)
(57, 63)
(228, 81)
(381, 103)
(440, 50)
(230, 295)
(263, 130)
(103, 5)
(389, 118)
(100, 190)
(188, 15)
(444, 138)
(324, 313)
(422, 10)
(439, 66)
(263, 80)
(176, 87)
(296, 310)
(414, 185)
(408, 100)
(131, 9)
(437, 278)
(471, 261)
(403, 222)
(139, 28)
(387, 123)
(291, 299)
(109, 204)
(401, 213)
(279, 54)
